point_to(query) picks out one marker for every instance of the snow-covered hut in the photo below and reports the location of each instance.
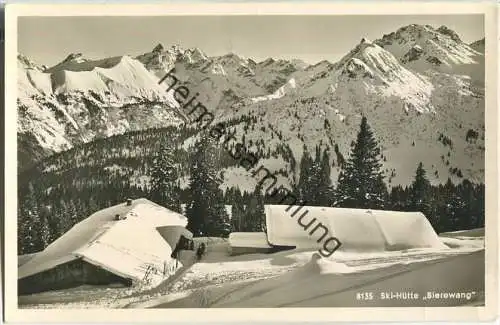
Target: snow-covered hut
(248, 243)
(127, 243)
(357, 230)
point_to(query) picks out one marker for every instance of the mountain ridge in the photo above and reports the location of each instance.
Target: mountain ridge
(406, 82)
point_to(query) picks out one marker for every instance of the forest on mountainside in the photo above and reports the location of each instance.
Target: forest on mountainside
(69, 186)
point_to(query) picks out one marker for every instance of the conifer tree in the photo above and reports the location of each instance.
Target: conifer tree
(468, 211)
(420, 191)
(30, 224)
(65, 214)
(72, 214)
(22, 230)
(237, 211)
(447, 204)
(44, 233)
(315, 185)
(303, 186)
(164, 178)
(314, 181)
(420, 196)
(399, 198)
(325, 190)
(236, 216)
(255, 213)
(480, 205)
(361, 181)
(206, 211)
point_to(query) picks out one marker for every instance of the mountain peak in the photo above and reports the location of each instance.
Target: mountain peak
(267, 61)
(158, 48)
(232, 58)
(75, 57)
(233, 55)
(423, 47)
(196, 51)
(193, 55)
(28, 63)
(446, 31)
(175, 49)
(409, 33)
(478, 45)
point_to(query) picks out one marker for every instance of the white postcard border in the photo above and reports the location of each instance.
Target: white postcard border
(486, 313)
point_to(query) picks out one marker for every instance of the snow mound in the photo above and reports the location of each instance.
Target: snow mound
(358, 230)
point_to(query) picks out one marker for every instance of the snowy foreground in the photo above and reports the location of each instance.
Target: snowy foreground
(302, 279)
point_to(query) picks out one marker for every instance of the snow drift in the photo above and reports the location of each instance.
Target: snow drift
(318, 284)
(305, 279)
(358, 230)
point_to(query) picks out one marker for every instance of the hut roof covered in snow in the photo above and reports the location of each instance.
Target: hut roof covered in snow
(248, 239)
(357, 229)
(123, 239)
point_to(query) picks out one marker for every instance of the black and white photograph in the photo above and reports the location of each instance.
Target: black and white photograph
(250, 161)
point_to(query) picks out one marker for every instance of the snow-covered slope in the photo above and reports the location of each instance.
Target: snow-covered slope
(79, 100)
(304, 279)
(422, 47)
(280, 92)
(295, 278)
(421, 88)
(369, 69)
(412, 113)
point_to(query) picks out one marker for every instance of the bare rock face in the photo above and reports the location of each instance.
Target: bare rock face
(158, 48)
(356, 68)
(452, 34)
(413, 54)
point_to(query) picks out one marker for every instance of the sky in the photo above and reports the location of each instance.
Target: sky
(48, 40)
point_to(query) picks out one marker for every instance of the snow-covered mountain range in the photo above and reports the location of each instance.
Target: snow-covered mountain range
(421, 88)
